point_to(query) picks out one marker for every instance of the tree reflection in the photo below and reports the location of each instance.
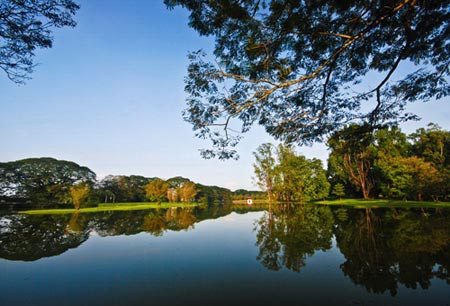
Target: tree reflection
(387, 247)
(383, 248)
(286, 236)
(31, 237)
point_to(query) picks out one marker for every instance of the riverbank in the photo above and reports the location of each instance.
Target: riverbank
(359, 203)
(109, 207)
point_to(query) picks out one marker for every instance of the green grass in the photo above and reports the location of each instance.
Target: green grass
(361, 203)
(108, 207)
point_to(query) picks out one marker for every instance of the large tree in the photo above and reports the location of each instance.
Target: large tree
(293, 66)
(352, 157)
(289, 177)
(26, 25)
(264, 168)
(156, 190)
(42, 180)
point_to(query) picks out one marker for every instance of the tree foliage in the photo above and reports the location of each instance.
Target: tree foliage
(188, 192)
(79, 193)
(289, 177)
(156, 190)
(122, 188)
(42, 180)
(388, 163)
(338, 190)
(294, 66)
(351, 154)
(26, 25)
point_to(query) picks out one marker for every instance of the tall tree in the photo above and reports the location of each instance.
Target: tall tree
(352, 157)
(292, 177)
(292, 66)
(26, 25)
(156, 190)
(264, 167)
(42, 180)
(410, 178)
(433, 144)
(79, 193)
(188, 191)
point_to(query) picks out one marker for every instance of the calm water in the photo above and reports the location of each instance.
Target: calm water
(228, 256)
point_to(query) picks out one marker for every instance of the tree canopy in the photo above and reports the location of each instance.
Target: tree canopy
(26, 25)
(42, 180)
(287, 176)
(294, 66)
(388, 163)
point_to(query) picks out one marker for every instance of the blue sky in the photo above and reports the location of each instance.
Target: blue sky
(109, 95)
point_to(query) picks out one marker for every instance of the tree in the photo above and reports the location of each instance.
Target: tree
(26, 25)
(213, 195)
(293, 66)
(42, 180)
(123, 188)
(352, 156)
(156, 190)
(79, 193)
(432, 144)
(338, 190)
(410, 177)
(173, 194)
(292, 177)
(264, 167)
(188, 192)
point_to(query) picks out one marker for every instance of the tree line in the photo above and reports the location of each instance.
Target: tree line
(50, 182)
(385, 163)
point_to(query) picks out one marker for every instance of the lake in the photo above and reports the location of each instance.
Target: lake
(291, 255)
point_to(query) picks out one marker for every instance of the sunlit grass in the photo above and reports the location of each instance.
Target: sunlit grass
(108, 207)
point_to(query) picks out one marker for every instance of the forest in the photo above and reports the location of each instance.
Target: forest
(385, 164)
(362, 163)
(48, 182)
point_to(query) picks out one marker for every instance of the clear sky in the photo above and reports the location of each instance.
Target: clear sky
(109, 95)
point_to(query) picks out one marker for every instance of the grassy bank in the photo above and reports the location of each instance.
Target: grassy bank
(361, 203)
(358, 203)
(108, 207)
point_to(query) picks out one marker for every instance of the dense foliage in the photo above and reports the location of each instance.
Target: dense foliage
(26, 25)
(388, 163)
(287, 176)
(50, 182)
(41, 180)
(243, 194)
(294, 66)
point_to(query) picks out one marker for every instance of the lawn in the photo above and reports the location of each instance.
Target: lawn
(361, 203)
(108, 207)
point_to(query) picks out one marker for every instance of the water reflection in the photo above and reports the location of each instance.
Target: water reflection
(286, 235)
(31, 237)
(382, 249)
(387, 247)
